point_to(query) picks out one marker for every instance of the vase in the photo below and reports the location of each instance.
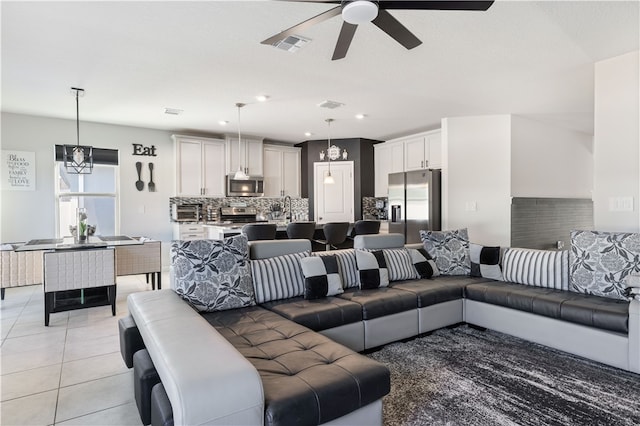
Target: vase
(81, 225)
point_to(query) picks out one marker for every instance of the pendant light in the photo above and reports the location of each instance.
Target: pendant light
(78, 159)
(240, 174)
(328, 179)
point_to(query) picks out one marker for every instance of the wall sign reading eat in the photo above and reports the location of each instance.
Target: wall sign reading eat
(139, 149)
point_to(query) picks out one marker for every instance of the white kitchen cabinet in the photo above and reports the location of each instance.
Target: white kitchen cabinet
(200, 166)
(281, 171)
(423, 151)
(248, 154)
(189, 232)
(388, 158)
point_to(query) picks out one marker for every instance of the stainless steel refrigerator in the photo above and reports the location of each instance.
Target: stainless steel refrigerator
(414, 203)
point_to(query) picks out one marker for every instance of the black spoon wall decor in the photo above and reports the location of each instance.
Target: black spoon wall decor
(139, 182)
(152, 185)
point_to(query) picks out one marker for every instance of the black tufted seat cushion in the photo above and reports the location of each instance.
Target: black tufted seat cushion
(380, 302)
(307, 378)
(593, 311)
(439, 290)
(317, 314)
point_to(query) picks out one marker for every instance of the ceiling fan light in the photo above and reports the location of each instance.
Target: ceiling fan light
(360, 12)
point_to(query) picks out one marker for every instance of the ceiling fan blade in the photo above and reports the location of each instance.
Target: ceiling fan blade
(344, 40)
(302, 25)
(396, 30)
(435, 5)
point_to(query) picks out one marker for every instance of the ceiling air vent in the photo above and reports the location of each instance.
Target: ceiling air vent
(330, 104)
(292, 43)
(173, 111)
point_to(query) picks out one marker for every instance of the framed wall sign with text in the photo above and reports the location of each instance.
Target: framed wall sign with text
(18, 170)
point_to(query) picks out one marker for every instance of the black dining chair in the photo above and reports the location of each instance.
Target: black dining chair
(303, 230)
(260, 231)
(366, 227)
(335, 233)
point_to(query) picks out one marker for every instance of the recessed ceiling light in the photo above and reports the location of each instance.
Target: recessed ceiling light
(223, 122)
(173, 111)
(262, 98)
(360, 116)
(307, 134)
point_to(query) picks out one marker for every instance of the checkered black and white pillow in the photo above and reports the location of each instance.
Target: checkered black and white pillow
(372, 269)
(347, 266)
(485, 262)
(321, 277)
(424, 264)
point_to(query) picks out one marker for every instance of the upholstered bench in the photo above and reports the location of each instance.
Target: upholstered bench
(306, 377)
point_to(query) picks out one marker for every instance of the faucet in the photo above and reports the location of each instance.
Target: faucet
(288, 215)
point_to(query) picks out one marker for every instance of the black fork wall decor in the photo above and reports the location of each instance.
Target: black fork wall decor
(140, 183)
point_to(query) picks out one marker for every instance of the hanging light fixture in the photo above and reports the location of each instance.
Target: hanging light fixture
(240, 174)
(328, 179)
(78, 159)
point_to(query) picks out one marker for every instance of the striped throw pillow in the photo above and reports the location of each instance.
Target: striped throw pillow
(540, 268)
(278, 277)
(399, 264)
(347, 265)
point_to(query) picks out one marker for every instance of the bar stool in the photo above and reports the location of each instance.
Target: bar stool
(260, 231)
(366, 227)
(302, 230)
(335, 233)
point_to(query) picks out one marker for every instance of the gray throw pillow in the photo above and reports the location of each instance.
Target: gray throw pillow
(449, 249)
(600, 261)
(213, 275)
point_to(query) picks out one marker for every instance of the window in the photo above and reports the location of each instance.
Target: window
(97, 192)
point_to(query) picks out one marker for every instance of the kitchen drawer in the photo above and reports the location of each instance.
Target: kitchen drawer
(189, 232)
(190, 237)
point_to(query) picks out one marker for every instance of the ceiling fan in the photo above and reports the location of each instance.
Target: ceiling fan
(356, 12)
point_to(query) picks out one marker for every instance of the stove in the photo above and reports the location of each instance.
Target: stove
(239, 214)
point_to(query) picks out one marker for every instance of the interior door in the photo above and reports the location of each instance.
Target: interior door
(333, 202)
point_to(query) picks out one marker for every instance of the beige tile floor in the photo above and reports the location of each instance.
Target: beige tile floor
(70, 373)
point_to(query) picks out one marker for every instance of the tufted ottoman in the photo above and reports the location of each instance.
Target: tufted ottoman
(306, 377)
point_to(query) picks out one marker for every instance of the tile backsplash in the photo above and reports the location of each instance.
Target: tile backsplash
(299, 206)
(369, 208)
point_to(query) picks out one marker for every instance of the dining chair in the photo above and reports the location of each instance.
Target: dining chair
(366, 227)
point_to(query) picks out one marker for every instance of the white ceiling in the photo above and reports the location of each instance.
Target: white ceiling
(136, 58)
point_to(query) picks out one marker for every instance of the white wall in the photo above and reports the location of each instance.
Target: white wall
(617, 141)
(477, 170)
(549, 161)
(31, 214)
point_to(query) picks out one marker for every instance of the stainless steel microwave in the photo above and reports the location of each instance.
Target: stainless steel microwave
(252, 187)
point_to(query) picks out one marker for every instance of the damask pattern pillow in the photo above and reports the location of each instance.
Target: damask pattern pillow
(600, 261)
(212, 275)
(449, 249)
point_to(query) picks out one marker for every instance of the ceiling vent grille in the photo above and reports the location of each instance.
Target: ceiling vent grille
(173, 111)
(330, 104)
(292, 43)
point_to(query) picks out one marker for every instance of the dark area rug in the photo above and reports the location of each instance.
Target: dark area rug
(464, 376)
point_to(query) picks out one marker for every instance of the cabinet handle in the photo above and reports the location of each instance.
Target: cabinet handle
(426, 163)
